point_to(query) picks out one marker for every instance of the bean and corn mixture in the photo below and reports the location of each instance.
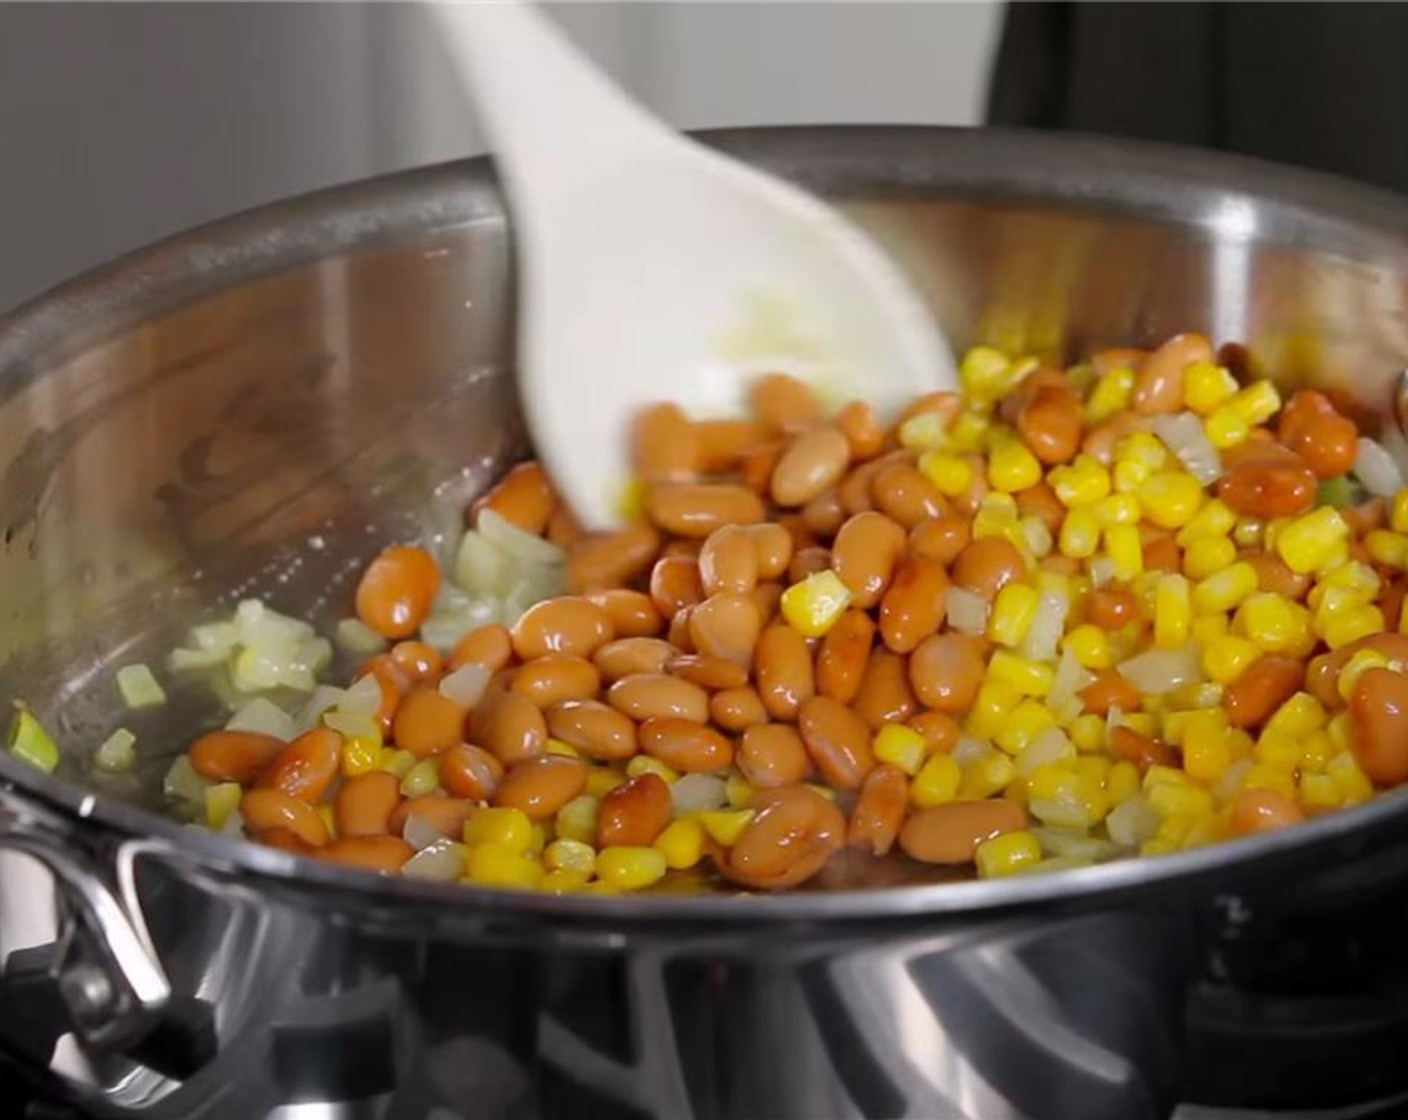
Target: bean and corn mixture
(1128, 607)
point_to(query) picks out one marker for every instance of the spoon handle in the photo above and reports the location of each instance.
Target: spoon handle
(549, 112)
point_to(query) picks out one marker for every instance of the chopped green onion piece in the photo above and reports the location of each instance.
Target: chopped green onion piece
(1340, 492)
(117, 753)
(30, 743)
(139, 688)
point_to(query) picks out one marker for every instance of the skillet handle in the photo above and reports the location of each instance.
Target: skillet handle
(109, 975)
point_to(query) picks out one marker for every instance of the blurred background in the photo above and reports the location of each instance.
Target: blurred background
(126, 122)
(122, 123)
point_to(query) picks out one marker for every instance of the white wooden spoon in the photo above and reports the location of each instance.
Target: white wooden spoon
(653, 268)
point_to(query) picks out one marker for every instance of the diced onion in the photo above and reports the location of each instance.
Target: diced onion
(1377, 469)
(1157, 671)
(324, 698)
(233, 825)
(1102, 570)
(117, 753)
(443, 631)
(1071, 676)
(263, 716)
(480, 567)
(216, 637)
(1063, 842)
(968, 749)
(184, 785)
(698, 793)
(513, 542)
(139, 688)
(1226, 787)
(967, 611)
(419, 833)
(1050, 747)
(1132, 821)
(356, 637)
(353, 725)
(1044, 634)
(441, 862)
(364, 697)
(181, 660)
(466, 684)
(1184, 435)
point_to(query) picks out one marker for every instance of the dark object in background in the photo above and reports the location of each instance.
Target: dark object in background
(1321, 85)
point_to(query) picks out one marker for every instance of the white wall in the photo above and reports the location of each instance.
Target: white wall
(121, 123)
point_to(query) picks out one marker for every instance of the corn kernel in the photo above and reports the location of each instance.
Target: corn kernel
(1169, 800)
(644, 764)
(510, 829)
(901, 746)
(1312, 541)
(1299, 716)
(1277, 749)
(1257, 403)
(985, 776)
(1142, 447)
(951, 475)
(1214, 519)
(1277, 779)
(1030, 678)
(361, 754)
(492, 864)
(422, 778)
(1357, 663)
(1012, 467)
(937, 782)
(1173, 612)
(1316, 750)
(1206, 386)
(996, 517)
(1012, 614)
(1319, 791)
(1146, 723)
(739, 791)
(1353, 785)
(726, 825)
(967, 431)
(1389, 549)
(630, 502)
(1207, 556)
(1083, 482)
(570, 855)
(1123, 781)
(558, 747)
(1206, 830)
(1125, 552)
(1207, 629)
(812, 606)
(1089, 645)
(1035, 535)
(1206, 757)
(1225, 427)
(1353, 624)
(1080, 534)
(601, 780)
(630, 869)
(1224, 590)
(991, 707)
(1006, 854)
(1398, 512)
(1028, 720)
(1087, 732)
(577, 819)
(924, 430)
(563, 881)
(1169, 499)
(1275, 623)
(682, 843)
(986, 374)
(221, 800)
(1092, 769)
(397, 762)
(1110, 395)
(1129, 475)
(1225, 659)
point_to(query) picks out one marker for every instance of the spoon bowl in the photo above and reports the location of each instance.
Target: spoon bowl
(653, 268)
